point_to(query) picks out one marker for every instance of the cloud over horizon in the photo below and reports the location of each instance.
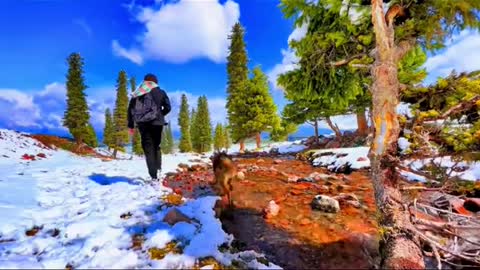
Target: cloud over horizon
(181, 31)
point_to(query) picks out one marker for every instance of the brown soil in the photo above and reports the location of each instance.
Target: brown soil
(298, 237)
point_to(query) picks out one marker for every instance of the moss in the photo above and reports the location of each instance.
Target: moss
(173, 199)
(160, 253)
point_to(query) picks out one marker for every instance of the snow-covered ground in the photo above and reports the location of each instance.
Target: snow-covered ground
(471, 173)
(77, 203)
(338, 157)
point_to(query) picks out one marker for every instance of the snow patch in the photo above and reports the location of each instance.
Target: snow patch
(357, 157)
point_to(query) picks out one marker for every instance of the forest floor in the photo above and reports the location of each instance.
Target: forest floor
(298, 236)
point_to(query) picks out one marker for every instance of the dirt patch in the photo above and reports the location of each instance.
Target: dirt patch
(297, 237)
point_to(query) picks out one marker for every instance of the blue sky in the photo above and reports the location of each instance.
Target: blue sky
(182, 42)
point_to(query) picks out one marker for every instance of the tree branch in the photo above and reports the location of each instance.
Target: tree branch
(393, 12)
(461, 106)
(403, 48)
(347, 60)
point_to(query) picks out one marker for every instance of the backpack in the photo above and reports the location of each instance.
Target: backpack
(145, 109)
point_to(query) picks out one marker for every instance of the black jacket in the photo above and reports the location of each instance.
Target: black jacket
(161, 98)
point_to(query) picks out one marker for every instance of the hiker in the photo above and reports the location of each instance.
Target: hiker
(147, 109)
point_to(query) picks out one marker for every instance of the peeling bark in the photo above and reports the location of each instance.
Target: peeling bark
(399, 250)
(242, 146)
(258, 140)
(338, 133)
(362, 123)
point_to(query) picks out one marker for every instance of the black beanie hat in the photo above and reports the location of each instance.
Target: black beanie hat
(150, 77)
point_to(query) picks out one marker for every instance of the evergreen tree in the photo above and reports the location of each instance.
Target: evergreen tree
(219, 139)
(120, 114)
(194, 131)
(184, 123)
(237, 71)
(260, 110)
(137, 143)
(167, 143)
(136, 139)
(171, 141)
(226, 136)
(202, 127)
(108, 130)
(91, 137)
(76, 117)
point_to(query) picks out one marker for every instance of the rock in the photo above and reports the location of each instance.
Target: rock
(260, 161)
(324, 189)
(253, 168)
(41, 155)
(325, 204)
(472, 204)
(305, 221)
(321, 176)
(174, 216)
(348, 199)
(362, 159)
(292, 179)
(306, 179)
(333, 144)
(277, 161)
(272, 209)
(240, 176)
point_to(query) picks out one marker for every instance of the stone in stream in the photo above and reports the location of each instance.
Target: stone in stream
(348, 198)
(240, 176)
(272, 209)
(325, 204)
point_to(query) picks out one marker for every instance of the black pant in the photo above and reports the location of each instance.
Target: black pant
(151, 137)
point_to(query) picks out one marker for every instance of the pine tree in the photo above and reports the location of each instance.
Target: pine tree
(184, 123)
(171, 142)
(90, 138)
(193, 131)
(164, 142)
(76, 117)
(219, 138)
(108, 130)
(202, 127)
(136, 139)
(237, 71)
(137, 143)
(260, 110)
(120, 114)
(226, 136)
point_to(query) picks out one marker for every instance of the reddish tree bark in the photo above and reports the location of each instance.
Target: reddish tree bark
(399, 250)
(258, 140)
(362, 124)
(242, 146)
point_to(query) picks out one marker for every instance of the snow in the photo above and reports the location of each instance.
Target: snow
(287, 147)
(77, 203)
(412, 176)
(472, 172)
(357, 157)
(404, 109)
(404, 144)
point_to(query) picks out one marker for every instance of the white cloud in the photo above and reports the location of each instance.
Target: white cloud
(133, 54)
(289, 59)
(459, 55)
(184, 30)
(83, 24)
(17, 109)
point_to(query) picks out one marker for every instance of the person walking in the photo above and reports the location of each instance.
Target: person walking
(147, 110)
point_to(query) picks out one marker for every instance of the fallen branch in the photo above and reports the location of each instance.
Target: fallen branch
(461, 106)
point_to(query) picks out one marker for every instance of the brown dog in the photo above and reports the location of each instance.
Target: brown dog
(225, 171)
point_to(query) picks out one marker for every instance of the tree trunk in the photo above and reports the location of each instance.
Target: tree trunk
(338, 133)
(258, 140)
(362, 123)
(371, 127)
(242, 146)
(114, 155)
(315, 125)
(398, 249)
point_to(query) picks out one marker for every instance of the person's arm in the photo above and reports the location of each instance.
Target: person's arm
(131, 124)
(162, 100)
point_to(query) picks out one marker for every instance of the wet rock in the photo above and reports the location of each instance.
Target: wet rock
(325, 204)
(472, 204)
(348, 198)
(306, 180)
(321, 176)
(292, 179)
(174, 216)
(272, 209)
(41, 155)
(253, 168)
(277, 161)
(260, 161)
(323, 189)
(240, 176)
